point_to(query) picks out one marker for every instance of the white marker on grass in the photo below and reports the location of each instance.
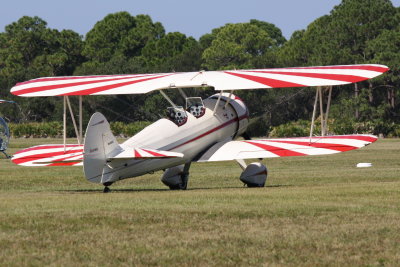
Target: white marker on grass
(364, 165)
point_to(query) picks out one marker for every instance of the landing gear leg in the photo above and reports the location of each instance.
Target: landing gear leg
(176, 178)
(185, 176)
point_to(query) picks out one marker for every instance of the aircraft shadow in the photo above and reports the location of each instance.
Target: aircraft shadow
(123, 190)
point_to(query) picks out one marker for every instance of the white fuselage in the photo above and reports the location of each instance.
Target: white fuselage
(191, 139)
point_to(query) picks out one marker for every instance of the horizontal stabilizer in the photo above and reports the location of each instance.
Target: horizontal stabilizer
(286, 147)
(50, 155)
(145, 153)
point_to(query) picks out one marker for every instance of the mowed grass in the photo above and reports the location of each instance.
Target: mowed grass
(314, 211)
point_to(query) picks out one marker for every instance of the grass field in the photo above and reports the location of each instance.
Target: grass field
(314, 211)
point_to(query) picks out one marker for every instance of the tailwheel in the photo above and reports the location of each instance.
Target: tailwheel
(106, 187)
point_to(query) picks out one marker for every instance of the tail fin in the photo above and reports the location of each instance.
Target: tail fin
(100, 144)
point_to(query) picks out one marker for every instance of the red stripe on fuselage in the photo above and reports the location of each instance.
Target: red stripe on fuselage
(211, 131)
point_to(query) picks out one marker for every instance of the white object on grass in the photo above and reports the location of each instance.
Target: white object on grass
(364, 165)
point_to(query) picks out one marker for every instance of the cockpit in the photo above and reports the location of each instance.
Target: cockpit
(194, 106)
(177, 114)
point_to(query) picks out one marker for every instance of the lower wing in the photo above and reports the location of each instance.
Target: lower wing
(285, 147)
(72, 155)
(50, 155)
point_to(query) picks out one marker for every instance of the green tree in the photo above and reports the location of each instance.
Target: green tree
(28, 49)
(274, 32)
(173, 52)
(238, 45)
(346, 36)
(385, 50)
(115, 40)
(342, 36)
(105, 38)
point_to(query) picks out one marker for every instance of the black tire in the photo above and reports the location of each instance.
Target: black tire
(106, 189)
(175, 187)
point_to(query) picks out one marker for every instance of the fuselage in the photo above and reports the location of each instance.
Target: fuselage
(225, 122)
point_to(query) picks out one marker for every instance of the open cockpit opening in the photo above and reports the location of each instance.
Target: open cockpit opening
(177, 114)
(195, 106)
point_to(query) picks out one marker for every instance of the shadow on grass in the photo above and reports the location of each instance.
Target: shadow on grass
(116, 190)
(124, 190)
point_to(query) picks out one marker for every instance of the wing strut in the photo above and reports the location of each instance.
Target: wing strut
(73, 120)
(216, 104)
(182, 93)
(241, 163)
(65, 123)
(324, 119)
(327, 109)
(321, 111)
(229, 99)
(80, 120)
(78, 132)
(167, 98)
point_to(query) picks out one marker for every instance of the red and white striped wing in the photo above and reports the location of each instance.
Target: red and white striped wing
(287, 147)
(220, 80)
(146, 153)
(50, 155)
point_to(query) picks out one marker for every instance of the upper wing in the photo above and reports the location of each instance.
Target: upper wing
(220, 80)
(285, 147)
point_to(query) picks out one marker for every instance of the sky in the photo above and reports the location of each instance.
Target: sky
(193, 18)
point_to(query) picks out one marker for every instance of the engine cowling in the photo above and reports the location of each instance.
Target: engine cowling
(240, 108)
(255, 175)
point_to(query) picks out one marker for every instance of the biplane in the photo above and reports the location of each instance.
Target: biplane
(203, 130)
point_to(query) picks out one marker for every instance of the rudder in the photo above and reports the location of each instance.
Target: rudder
(100, 144)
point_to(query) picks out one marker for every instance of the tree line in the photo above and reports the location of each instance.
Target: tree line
(355, 32)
